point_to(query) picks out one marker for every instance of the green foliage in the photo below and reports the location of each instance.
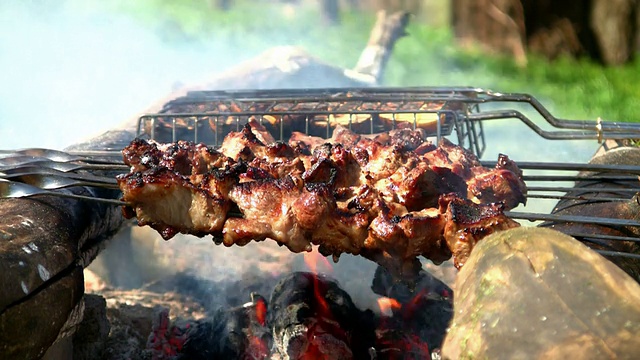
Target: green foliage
(426, 57)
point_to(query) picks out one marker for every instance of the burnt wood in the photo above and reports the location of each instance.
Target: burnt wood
(312, 317)
(419, 326)
(236, 333)
(29, 326)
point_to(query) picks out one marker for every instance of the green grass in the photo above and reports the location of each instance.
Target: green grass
(578, 89)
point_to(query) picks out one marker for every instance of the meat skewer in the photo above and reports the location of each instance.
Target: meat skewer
(390, 198)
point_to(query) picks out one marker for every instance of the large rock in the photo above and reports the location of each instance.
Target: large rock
(539, 294)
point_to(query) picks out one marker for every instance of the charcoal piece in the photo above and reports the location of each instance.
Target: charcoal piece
(420, 323)
(385, 284)
(312, 317)
(416, 330)
(427, 316)
(167, 338)
(230, 334)
(395, 343)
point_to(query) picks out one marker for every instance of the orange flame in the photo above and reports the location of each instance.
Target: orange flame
(316, 262)
(387, 305)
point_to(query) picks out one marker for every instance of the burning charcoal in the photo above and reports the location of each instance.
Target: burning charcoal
(238, 333)
(385, 284)
(313, 318)
(420, 316)
(166, 339)
(396, 344)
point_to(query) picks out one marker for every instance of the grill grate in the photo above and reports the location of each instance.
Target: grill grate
(207, 116)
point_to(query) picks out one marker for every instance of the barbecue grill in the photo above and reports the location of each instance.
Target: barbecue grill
(455, 113)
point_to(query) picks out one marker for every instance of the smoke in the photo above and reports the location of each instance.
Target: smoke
(71, 73)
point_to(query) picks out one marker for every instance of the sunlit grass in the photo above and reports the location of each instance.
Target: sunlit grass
(427, 56)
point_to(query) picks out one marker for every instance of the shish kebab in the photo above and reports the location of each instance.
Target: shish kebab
(389, 197)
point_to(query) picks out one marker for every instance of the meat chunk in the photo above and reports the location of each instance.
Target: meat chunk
(467, 223)
(186, 207)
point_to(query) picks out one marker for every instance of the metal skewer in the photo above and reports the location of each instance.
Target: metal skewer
(12, 189)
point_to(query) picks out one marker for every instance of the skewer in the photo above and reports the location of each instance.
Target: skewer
(631, 169)
(31, 174)
(569, 197)
(108, 157)
(582, 189)
(603, 237)
(12, 189)
(594, 178)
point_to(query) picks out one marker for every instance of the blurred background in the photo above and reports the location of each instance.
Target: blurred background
(75, 68)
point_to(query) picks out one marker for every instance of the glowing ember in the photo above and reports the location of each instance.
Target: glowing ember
(387, 305)
(257, 343)
(261, 311)
(166, 340)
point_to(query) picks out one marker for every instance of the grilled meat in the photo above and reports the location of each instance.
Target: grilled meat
(394, 195)
(467, 223)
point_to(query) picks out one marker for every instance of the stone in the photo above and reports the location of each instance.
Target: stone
(537, 293)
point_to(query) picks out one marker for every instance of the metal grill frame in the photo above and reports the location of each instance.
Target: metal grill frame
(461, 110)
(307, 104)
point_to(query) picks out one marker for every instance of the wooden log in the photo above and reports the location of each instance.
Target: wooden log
(629, 210)
(43, 243)
(286, 67)
(539, 294)
(29, 326)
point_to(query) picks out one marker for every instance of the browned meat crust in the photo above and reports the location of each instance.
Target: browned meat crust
(390, 196)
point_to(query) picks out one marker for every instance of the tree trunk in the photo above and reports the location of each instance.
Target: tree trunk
(387, 30)
(330, 11)
(498, 25)
(602, 29)
(612, 22)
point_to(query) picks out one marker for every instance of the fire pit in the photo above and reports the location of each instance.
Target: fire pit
(291, 310)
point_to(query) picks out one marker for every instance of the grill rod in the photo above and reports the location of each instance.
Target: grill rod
(557, 166)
